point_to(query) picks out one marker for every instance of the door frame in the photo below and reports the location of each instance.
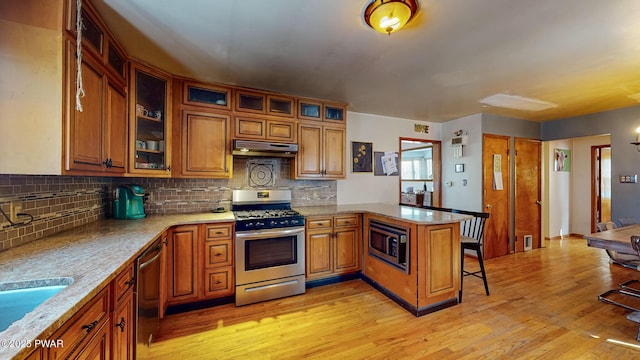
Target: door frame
(596, 180)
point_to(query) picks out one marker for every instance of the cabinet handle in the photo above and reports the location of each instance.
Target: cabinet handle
(169, 168)
(218, 282)
(108, 163)
(218, 254)
(90, 327)
(130, 283)
(121, 325)
(219, 233)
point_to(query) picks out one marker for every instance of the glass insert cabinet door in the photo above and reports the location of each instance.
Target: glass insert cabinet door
(150, 121)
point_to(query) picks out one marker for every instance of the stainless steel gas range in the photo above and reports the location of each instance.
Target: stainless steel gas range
(269, 246)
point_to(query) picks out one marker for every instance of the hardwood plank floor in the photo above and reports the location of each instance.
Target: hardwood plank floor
(543, 305)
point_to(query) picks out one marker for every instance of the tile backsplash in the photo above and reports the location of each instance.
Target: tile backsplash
(170, 196)
(56, 203)
(59, 203)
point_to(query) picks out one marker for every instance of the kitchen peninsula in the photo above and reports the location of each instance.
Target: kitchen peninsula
(430, 280)
(94, 254)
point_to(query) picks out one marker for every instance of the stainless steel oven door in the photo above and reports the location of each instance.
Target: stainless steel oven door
(269, 254)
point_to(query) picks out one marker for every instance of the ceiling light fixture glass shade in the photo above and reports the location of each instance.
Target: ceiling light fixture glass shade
(387, 16)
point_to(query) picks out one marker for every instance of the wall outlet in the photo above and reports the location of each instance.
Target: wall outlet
(15, 207)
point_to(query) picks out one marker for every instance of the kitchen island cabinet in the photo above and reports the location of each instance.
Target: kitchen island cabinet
(432, 279)
(333, 245)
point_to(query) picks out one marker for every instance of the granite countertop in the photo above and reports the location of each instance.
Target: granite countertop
(92, 254)
(404, 213)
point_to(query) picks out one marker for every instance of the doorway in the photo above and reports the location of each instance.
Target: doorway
(420, 172)
(600, 185)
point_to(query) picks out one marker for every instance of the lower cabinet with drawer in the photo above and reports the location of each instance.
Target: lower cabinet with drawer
(218, 261)
(200, 265)
(333, 245)
(87, 334)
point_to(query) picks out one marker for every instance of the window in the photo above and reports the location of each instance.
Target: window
(417, 164)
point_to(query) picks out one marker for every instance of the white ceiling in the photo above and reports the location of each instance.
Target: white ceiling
(583, 55)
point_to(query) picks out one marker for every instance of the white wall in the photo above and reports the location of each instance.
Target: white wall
(384, 132)
(31, 89)
(457, 195)
(559, 194)
(581, 182)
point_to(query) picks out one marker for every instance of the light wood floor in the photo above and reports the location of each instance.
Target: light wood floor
(543, 305)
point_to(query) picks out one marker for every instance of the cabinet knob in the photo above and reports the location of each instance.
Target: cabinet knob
(169, 168)
(130, 283)
(121, 324)
(108, 163)
(90, 327)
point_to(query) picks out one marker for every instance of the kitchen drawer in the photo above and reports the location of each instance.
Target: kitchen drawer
(319, 223)
(219, 232)
(218, 253)
(346, 221)
(219, 282)
(123, 282)
(80, 329)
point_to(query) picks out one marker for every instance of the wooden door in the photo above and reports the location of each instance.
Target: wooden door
(334, 153)
(206, 146)
(116, 130)
(183, 263)
(308, 159)
(527, 209)
(123, 338)
(319, 254)
(495, 152)
(346, 251)
(84, 139)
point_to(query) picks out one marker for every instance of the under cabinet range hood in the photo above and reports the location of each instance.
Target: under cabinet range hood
(264, 148)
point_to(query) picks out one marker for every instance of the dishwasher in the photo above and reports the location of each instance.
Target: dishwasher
(147, 297)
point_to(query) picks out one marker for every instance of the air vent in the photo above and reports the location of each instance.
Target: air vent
(517, 102)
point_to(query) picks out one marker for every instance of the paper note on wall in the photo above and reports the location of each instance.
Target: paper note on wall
(497, 172)
(389, 162)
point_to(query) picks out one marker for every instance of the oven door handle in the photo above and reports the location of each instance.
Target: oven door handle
(260, 234)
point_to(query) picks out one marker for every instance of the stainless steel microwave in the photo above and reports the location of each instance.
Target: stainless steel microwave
(389, 243)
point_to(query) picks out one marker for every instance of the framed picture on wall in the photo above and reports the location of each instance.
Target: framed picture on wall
(361, 156)
(561, 160)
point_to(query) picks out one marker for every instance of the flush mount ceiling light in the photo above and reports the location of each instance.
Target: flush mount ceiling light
(387, 16)
(517, 102)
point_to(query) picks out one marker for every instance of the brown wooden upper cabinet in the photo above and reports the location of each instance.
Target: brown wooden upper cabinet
(262, 128)
(334, 112)
(150, 129)
(211, 96)
(95, 138)
(205, 145)
(250, 101)
(280, 105)
(310, 109)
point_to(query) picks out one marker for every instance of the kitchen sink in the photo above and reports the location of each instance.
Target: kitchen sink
(19, 298)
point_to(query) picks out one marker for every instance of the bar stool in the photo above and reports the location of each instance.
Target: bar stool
(472, 235)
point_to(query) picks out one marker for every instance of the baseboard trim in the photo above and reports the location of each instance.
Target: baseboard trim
(407, 306)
